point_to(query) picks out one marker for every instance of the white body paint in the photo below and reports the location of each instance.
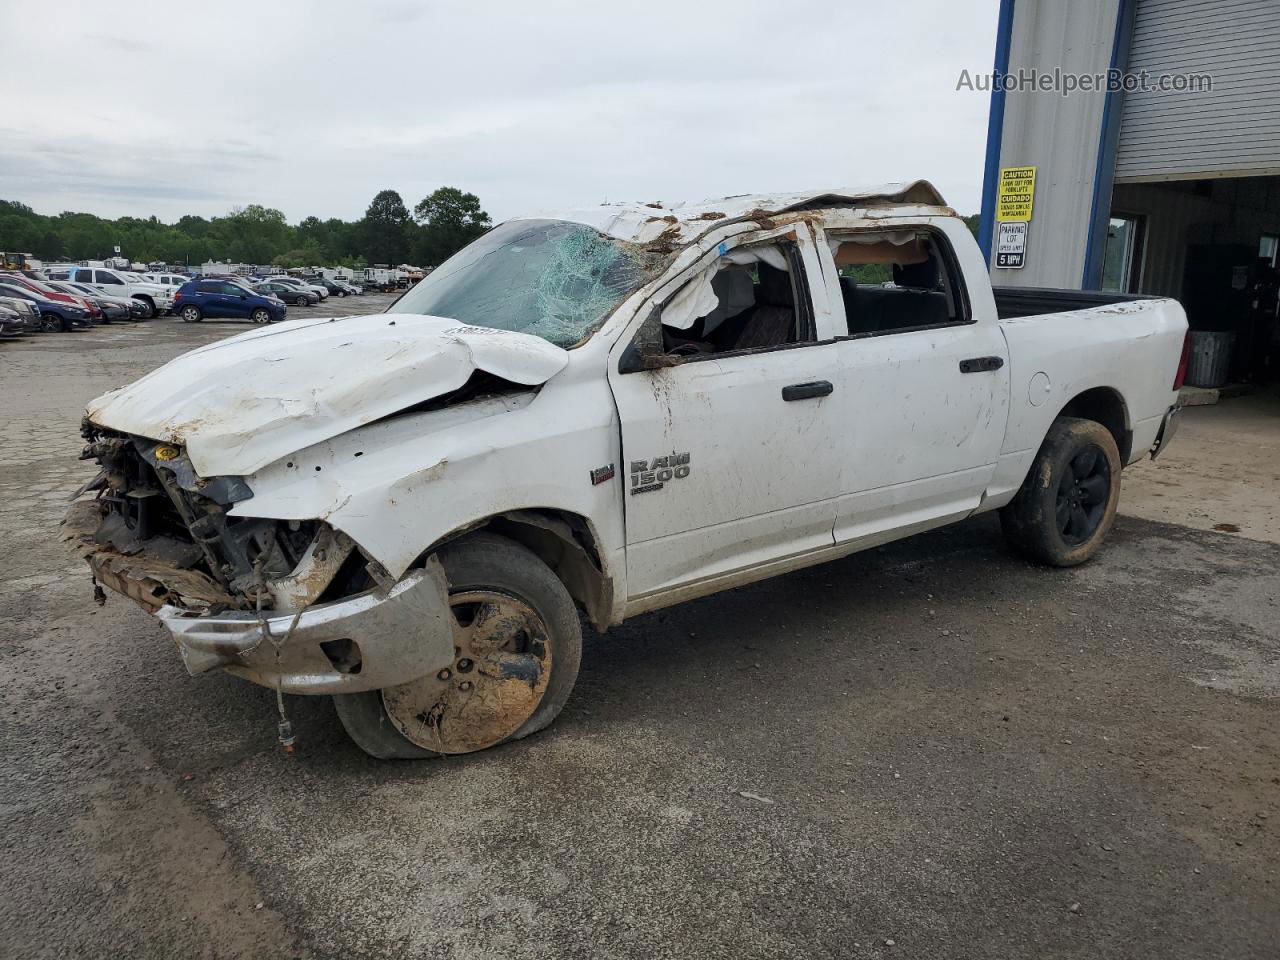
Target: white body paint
(307, 412)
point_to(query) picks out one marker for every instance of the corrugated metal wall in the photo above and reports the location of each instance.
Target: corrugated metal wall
(1057, 135)
(1186, 135)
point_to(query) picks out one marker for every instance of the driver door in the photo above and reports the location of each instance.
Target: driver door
(729, 457)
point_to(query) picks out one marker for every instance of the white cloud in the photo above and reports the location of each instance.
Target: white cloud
(164, 109)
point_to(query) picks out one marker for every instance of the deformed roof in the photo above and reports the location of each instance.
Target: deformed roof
(644, 222)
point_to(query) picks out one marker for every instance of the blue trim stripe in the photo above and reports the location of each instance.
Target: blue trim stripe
(1104, 173)
(995, 130)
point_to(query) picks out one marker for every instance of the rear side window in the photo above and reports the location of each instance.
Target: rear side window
(895, 281)
(207, 286)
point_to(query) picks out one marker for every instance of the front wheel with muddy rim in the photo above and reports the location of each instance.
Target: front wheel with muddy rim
(1067, 504)
(517, 645)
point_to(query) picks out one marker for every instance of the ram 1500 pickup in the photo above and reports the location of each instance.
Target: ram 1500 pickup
(608, 410)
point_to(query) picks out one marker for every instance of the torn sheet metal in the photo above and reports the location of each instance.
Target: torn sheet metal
(151, 582)
(681, 222)
(245, 402)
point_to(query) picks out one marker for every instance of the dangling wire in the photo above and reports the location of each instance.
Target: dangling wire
(284, 728)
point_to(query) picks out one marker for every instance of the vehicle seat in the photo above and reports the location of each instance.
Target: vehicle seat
(858, 314)
(773, 320)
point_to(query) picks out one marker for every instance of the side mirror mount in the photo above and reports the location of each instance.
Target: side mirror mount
(646, 350)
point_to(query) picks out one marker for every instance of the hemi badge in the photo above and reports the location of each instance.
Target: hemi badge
(601, 474)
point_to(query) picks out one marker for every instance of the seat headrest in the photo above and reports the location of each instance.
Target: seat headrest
(921, 276)
(775, 287)
(735, 293)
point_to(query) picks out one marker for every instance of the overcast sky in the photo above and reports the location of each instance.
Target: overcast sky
(312, 107)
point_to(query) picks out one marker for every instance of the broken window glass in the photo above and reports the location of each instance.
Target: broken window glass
(550, 278)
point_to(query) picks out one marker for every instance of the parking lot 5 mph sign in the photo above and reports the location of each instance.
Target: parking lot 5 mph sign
(1011, 246)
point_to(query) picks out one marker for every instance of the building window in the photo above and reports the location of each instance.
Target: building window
(1122, 260)
(1269, 248)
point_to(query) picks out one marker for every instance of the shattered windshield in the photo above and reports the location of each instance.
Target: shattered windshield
(550, 278)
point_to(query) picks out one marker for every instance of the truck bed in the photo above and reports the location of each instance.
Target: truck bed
(1013, 302)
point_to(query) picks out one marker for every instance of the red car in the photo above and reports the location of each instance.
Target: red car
(49, 293)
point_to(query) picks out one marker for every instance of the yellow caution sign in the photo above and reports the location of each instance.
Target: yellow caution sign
(1016, 195)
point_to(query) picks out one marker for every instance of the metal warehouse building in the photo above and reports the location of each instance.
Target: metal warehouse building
(1169, 186)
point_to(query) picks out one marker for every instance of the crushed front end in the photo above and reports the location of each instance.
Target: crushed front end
(290, 604)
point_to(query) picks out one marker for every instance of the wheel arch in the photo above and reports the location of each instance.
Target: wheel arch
(566, 542)
(1104, 405)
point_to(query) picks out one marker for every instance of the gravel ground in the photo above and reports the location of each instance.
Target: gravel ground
(927, 750)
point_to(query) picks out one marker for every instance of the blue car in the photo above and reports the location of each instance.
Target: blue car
(54, 314)
(216, 299)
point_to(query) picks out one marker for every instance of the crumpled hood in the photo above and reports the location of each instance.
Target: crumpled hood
(241, 403)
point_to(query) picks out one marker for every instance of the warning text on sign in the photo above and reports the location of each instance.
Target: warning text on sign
(1016, 194)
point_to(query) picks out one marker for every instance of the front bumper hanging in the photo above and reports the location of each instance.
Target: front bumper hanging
(366, 642)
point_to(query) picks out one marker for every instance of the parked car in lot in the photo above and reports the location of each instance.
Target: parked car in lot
(42, 291)
(287, 293)
(335, 289)
(198, 300)
(174, 280)
(25, 309)
(54, 314)
(113, 308)
(156, 297)
(13, 323)
(351, 288)
(431, 492)
(137, 309)
(320, 292)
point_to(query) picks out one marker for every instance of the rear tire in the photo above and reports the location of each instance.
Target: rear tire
(497, 582)
(1067, 504)
(191, 314)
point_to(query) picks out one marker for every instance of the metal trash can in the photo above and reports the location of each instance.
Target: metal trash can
(1210, 357)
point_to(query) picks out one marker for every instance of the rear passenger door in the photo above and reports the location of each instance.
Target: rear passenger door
(922, 381)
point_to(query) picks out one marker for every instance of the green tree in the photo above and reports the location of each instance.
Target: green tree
(308, 255)
(254, 234)
(448, 220)
(19, 233)
(383, 228)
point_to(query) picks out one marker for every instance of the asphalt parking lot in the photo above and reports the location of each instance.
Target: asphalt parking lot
(927, 750)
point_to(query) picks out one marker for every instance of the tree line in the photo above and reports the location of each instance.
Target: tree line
(438, 226)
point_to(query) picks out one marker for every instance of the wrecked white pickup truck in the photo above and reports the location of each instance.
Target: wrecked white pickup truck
(611, 410)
